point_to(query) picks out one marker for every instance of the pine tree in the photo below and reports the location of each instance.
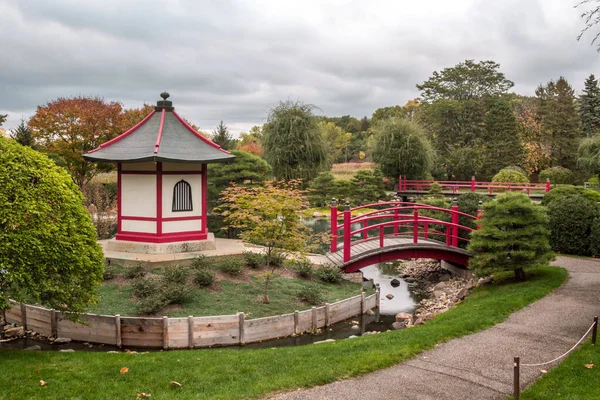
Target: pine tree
(501, 139)
(513, 236)
(589, 107)
(560, 122)
(23, 135)
(222, 137)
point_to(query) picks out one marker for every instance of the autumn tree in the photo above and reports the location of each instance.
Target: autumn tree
(535, 146)
(71, 127)
(222, 137)
(401, 148)
(293, 143)
(268, 215)
(132, 116)
(251, 142)
(337, 141)
(589, 107)
(560, 122)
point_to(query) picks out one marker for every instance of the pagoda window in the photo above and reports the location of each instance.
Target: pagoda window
(182, 197)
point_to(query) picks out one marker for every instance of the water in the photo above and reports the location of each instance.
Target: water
(403, 301)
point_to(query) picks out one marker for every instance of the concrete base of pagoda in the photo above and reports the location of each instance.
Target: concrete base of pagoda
(162, 248)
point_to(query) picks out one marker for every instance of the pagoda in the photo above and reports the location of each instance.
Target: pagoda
(161, 183)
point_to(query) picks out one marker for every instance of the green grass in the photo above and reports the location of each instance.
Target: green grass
(571, 379)
(234, 373)
(231, 298)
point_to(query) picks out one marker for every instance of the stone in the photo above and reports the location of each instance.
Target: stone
(444, 278)
(325, 341)
(352, 337)
(14, 332)
(400, 317)
(428, 316)
(395, 282)
(484, 281)
(370, 312)
(389, 296)
(418, 321)
(66, 351)
(399, 325)
(355, 328)
(317, 214)
(438, 294)
(112, 352)
(440, 286)
(462, 293)
(62, 340)
(33, 348)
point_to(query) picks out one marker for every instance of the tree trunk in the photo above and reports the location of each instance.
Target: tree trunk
(519, 274)
(265, 298)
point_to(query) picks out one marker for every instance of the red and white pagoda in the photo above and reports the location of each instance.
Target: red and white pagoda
(162, 183)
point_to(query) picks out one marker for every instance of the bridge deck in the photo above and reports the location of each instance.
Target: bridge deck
(369, 247)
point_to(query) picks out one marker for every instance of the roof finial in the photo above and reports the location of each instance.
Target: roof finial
(165, 95)
(164, 104)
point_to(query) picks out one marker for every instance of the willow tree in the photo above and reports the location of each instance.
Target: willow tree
(293, 143)
(401, 148)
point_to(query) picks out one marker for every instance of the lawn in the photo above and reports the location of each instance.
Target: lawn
(235, 373)
(571, 380)
(227, 296)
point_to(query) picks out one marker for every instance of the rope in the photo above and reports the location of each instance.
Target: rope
(561, 356)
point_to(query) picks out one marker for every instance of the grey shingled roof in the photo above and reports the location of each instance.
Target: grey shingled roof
(177, 143)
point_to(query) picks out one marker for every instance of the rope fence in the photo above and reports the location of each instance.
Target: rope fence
(517, 361)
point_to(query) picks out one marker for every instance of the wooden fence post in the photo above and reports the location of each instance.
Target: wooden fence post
(24, 316)
(118, 330)
(516, 380)
(190, 332)
(377, 295)
(53, 323)
(314, 319)
(327, 319)
(296, 318)
(363, 303)
(165, 332)
(242, 319)
(595, 331)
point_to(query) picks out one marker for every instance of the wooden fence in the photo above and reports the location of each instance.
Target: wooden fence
(190, 332)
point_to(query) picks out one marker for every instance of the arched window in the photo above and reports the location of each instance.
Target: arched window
(182, 196)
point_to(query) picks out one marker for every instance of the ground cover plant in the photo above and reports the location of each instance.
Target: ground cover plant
(203, 288)
(233, 373)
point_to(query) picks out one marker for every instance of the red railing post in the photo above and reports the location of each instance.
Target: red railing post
(547, 185)
(491, 190)
(479, 214)
(365, 233)
(454, 223)
(347, 231)
(334, 225)
(425, 230)
(381, 235)
(396, 219)
(472, 184)
(416, 226)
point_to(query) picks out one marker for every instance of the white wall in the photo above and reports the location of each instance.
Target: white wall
(182, 226)
(169, 182)
(138, 226)
(138, 195)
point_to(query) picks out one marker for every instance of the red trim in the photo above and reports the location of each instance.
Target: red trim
(164, 172)
(401, 254)
(124, 135)
(164, 238)
(159, 219)
(207, 141)
(165, 219)
(126, 218)
(139, 172)
(204, 188)
(160, 131)
(119, 198)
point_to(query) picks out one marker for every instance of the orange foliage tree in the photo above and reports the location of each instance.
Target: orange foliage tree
(536, 151)
(71, 127)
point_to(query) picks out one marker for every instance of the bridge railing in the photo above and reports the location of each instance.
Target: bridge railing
(423, 186)
(406, 219)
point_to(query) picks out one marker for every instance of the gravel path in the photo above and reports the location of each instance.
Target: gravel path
(479, 366)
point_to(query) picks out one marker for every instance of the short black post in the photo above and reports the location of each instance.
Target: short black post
(594, 331)
(517, 384)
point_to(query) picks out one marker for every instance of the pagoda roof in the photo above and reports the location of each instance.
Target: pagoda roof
(162, 136)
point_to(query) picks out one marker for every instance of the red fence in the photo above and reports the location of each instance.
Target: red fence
(399, 215)
(423, 186)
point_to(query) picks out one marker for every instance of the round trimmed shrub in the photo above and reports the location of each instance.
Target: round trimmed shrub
(510, 174)
(48, 249)
(558, 175)
(176, 274)
(564, 191)
(302, 266)
(595, 238)
(329, 273)
(204, 277)
(571, 219)
(144, 287)
(311, 294)
(201, 261)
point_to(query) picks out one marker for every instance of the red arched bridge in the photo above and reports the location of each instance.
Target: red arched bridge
(397, 230)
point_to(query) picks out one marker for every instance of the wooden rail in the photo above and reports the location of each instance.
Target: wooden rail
(187, 332)
(423, 186)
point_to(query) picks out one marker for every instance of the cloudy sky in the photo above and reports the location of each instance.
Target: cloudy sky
(234, 60)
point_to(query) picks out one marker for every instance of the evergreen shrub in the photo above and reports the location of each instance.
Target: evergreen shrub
(571, 219)
(311, 294)
(254, 260)
(557, 175)
(277, 259)
(564, 191)
(302, 267)
(144, 287)
(137, 271)
(201, 262)
(510, 174)
(176, 274)
(329, 273)
(595, 238)
(231, 265)
(204, 277)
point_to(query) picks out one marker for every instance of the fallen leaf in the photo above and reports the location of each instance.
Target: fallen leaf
(176, 384)
(197, 358)
(589, 366)
(124, 370)
(543, 371)
(140, 395)
(42, 383)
